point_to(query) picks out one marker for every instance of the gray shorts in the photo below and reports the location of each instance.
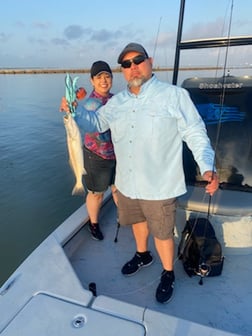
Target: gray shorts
(159, 215)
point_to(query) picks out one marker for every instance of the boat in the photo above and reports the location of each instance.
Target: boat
(72, 285)
(231, 116)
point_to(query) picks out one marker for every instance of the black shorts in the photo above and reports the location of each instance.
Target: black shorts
(100, 172)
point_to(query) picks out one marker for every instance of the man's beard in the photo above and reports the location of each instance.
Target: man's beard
(136, 82)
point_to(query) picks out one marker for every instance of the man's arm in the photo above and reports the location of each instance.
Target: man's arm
(87, 119)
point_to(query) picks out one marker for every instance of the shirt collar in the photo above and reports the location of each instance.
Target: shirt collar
(104, 100)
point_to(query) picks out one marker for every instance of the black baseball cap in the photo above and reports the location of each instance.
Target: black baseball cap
(98, 67)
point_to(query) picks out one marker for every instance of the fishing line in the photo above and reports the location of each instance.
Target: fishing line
(134, 291)
(93, 287)
(222, 99)
(222, 34)
(223, 92)
(198, 214)
(156, 42)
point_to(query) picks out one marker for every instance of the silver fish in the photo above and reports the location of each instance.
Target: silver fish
(74, 145)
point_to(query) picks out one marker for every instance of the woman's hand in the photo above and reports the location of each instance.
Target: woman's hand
(64, 105)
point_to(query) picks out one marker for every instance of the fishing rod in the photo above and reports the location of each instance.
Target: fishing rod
(156, 41)
(203, 268)
(202, 43)
(224, 78)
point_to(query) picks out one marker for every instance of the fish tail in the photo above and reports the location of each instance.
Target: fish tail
(78, 189)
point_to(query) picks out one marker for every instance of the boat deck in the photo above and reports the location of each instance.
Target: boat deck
(223, 302)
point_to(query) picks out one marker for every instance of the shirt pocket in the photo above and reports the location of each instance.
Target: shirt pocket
(119, 129)
(158, 124)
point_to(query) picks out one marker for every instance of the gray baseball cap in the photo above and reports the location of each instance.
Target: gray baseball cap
(132, 47)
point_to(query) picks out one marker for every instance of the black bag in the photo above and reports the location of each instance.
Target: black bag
(199, 250)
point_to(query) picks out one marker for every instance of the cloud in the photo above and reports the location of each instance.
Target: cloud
(242, 27)
(77, 32)
(165, 39)
(105, 35)
(20, 24)
(74, 32)
(204, 30)
(60, 42)
(39, 41)
(4, 37)
(41, 25)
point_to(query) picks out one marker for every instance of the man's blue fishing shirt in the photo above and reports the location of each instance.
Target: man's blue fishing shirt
(147, 132)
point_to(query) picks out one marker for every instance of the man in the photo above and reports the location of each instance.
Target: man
(149, 121)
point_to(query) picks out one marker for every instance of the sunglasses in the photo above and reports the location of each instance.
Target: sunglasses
(136, 60)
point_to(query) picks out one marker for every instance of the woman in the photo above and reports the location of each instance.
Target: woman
(99, 156)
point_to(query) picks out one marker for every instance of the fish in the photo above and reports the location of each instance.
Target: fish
(76, 159)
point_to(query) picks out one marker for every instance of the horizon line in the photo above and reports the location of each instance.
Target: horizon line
(6, 71)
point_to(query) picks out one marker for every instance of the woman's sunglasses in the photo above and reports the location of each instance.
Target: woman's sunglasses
(136, 60)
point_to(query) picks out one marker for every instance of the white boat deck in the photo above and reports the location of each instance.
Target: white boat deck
(223, 302)
(48, 294)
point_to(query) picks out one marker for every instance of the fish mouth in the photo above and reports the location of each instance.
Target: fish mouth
(65, 118)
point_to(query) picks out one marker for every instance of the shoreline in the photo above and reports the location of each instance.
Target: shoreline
(34, 71)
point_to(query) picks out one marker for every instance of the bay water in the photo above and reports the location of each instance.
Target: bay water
(35, 179)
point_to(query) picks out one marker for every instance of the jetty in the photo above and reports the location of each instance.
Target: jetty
(34, 71)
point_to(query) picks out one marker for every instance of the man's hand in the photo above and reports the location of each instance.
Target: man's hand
(213, 182)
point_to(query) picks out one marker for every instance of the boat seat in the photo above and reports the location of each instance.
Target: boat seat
(224, 202)
(230, 214)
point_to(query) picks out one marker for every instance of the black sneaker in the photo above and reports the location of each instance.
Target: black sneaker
(95, 231)
(165, 288)
(137, 262)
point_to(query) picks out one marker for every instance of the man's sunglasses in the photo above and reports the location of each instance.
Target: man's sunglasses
(136, 60)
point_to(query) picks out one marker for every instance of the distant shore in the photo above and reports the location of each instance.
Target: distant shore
(34, 71)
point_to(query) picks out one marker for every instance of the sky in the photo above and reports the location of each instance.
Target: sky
(73, 34)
